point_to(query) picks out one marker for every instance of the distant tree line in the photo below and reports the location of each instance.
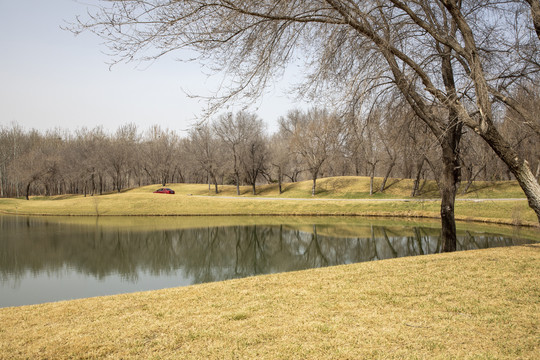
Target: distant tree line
(236, 149)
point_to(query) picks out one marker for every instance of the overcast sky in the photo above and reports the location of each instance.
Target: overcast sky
(50, 78)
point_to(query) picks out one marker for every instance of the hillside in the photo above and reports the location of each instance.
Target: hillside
(499, 202)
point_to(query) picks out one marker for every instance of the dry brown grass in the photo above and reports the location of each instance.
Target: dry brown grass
(480, 304)
(142, 201)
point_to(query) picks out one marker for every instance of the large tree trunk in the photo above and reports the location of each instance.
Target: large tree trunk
(448, 186)
(518, 166)
(451, 174)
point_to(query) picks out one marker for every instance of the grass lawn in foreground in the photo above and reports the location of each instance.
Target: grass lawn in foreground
(481, 304)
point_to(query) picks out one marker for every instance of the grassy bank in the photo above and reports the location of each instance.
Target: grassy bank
(296, 199)
(480, 304)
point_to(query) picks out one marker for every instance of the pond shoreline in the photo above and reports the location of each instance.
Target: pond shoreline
(407, 215)
(421, 307)
(497, 203)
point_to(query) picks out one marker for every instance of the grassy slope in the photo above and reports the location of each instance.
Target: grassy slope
(353, 187)
(142, 201)
(478, 304)
(469, 305)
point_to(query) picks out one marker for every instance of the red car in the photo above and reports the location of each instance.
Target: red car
(164, 191)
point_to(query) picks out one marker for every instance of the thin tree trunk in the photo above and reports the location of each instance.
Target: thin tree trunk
(472, 178)
(416, 184)
(387, 175)
(371, 176)
(279, 180)
(93, 185)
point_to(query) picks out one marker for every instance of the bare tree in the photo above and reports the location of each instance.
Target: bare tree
(37, 164)
(253, 160)
(204, 148)
(83, 161)
(279, 156)
(119, 157)
(396, 120)
(237, 131)
(314, 135)
(159, 154)
(371, 144)
(12, 145)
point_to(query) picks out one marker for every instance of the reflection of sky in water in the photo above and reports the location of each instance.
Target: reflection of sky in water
(68, 284)
(43, 260)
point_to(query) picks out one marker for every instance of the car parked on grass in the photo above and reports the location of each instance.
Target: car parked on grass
(164, 191)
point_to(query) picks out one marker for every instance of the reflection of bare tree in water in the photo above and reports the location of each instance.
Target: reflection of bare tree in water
(314, 255)
(388, 242)
(208, 254)
(483, 241)
(421, 244)
(251, 252)
(373, 246)
(200, 253)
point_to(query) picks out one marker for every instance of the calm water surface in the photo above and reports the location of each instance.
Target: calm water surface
(50, 259)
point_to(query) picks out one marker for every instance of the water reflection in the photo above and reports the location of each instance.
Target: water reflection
(35, 252)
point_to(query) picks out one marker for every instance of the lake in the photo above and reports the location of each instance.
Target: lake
(44, 259)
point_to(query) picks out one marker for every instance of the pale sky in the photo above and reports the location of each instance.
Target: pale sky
(50, 78)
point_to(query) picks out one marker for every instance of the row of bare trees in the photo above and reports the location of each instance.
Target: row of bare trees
(87, 162)
(236, 149)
